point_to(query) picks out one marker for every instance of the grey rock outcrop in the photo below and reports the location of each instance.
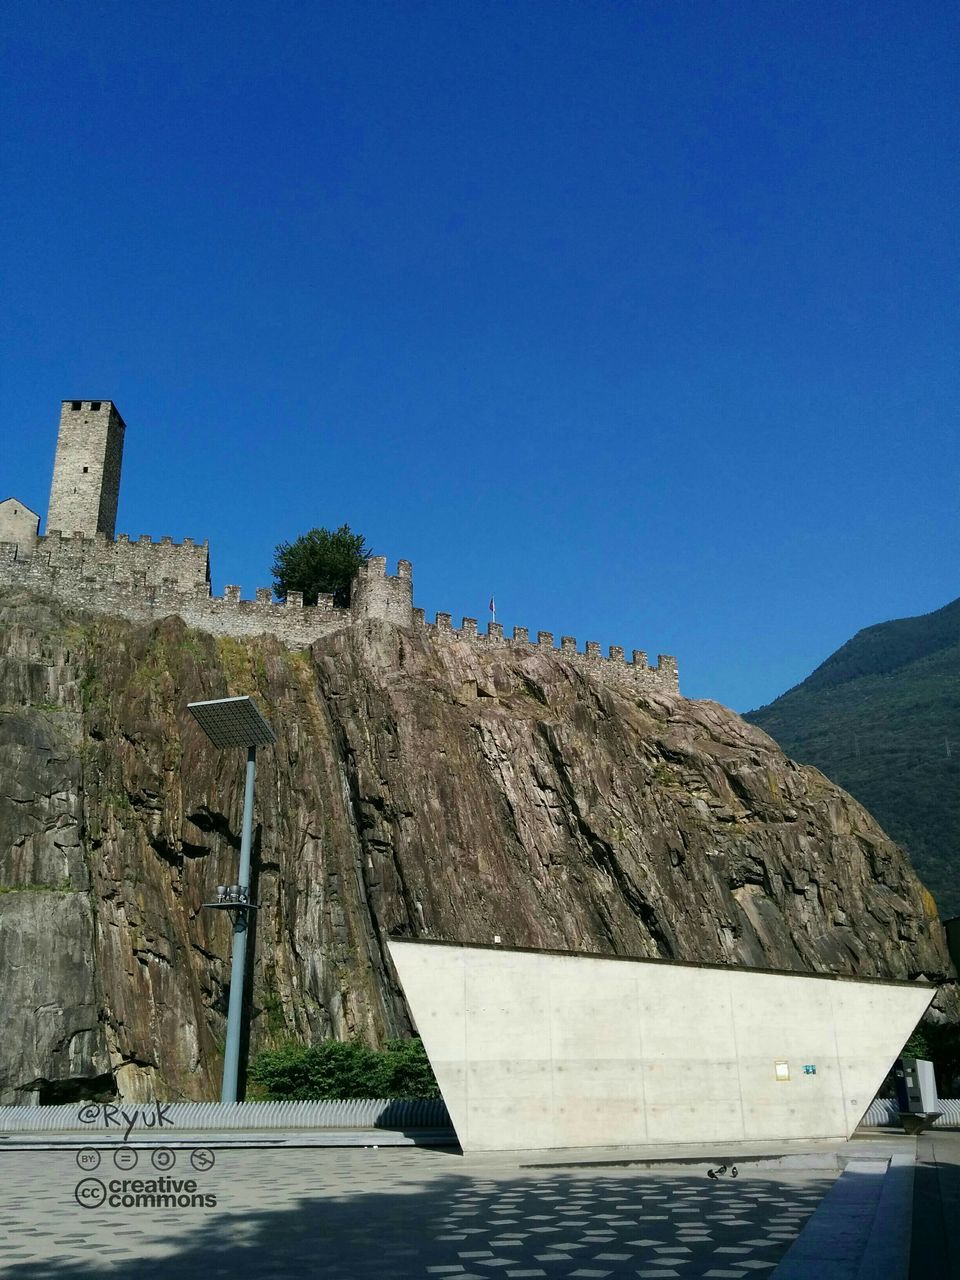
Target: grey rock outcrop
(418, 788)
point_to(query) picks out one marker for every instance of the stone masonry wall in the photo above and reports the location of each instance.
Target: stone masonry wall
(615, 667)
(145, 580)
(156, 564)
(107, 578)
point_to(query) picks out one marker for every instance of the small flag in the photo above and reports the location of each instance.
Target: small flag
(493, 605)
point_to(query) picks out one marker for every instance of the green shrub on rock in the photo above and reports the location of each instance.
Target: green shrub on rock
(336, 1069)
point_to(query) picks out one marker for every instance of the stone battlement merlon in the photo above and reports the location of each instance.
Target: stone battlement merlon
(263, 598)
(90, 406)
(144, 540)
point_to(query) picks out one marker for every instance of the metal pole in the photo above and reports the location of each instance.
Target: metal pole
(231, 1056)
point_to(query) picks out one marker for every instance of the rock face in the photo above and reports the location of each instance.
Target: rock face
(420, 787)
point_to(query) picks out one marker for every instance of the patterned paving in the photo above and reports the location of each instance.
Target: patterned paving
(350, 1214)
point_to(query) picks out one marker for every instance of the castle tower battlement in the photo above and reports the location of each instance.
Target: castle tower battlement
(86, 471)
(377, 594)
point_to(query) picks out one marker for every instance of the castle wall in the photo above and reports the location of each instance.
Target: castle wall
(79, 562)
(187, 564)
(86, 470)
(86, 574)
(145, 580)
(292, 623)
(614, 667)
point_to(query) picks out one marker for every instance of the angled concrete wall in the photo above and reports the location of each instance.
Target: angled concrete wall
(539, 1049)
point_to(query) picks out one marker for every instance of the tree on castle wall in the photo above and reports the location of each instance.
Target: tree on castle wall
(320, 562)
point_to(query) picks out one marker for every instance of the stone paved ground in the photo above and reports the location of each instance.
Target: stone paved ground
(350, 1214)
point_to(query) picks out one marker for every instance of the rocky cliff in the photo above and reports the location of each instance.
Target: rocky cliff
(419, 787)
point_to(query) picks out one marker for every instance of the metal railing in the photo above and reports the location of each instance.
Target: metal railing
(354, 1113)
(884, 1111)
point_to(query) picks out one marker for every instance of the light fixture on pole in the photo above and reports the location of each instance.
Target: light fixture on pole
(236, 722)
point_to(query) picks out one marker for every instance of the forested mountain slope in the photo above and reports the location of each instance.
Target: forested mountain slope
(881, 717)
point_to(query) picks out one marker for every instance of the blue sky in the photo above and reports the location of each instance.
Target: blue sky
(642, 316)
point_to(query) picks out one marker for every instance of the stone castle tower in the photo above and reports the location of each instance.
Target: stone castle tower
(86, 472)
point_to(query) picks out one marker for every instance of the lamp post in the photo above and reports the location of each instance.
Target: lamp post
(236, 722)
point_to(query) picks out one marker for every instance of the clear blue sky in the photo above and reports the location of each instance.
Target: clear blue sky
(641, 316)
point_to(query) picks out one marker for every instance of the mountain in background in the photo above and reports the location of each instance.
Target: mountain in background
(881, 717)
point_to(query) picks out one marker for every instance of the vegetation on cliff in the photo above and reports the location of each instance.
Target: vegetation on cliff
(881, 717)
(343, 1069)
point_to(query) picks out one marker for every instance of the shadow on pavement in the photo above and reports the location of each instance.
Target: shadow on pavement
(463, 1226)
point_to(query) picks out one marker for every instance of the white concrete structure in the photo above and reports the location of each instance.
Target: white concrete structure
(545, 1049)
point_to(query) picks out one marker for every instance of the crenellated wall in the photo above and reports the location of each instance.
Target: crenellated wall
(615, 666)
(137, 561)
(143, 580)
